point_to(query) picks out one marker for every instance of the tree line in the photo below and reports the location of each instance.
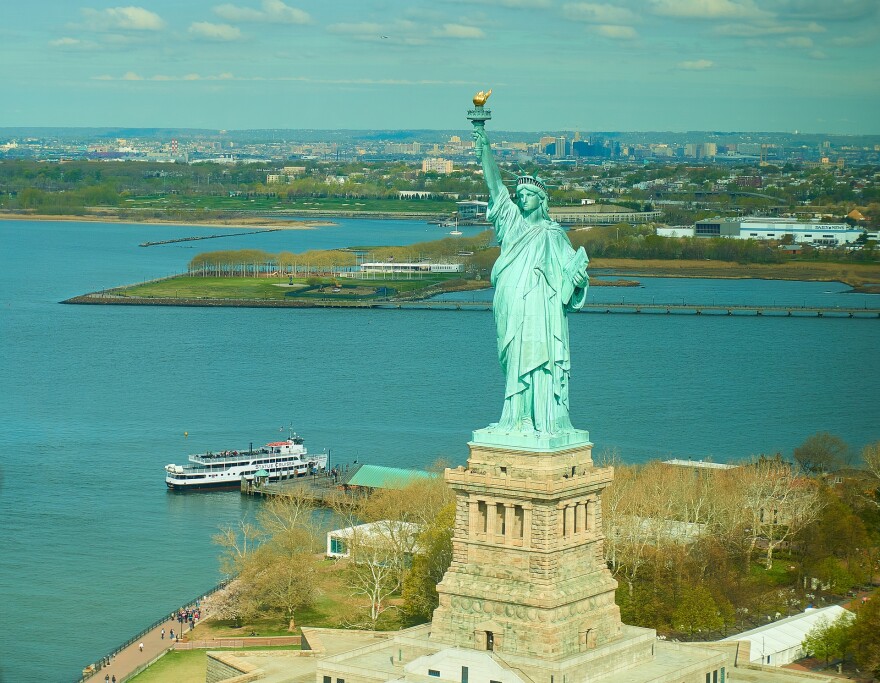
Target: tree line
(697, 550)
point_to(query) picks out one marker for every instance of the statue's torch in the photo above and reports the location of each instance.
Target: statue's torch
(479, 115)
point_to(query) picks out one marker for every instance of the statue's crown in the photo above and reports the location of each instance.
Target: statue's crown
(531, 180)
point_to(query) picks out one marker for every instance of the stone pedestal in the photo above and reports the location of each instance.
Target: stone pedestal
(528, 577)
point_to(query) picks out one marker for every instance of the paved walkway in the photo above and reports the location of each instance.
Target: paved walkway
(131, 658)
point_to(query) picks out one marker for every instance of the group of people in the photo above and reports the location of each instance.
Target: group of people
(190, 616)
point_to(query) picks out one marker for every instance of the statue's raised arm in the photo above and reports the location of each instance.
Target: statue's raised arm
(491, 172)
(538, 279)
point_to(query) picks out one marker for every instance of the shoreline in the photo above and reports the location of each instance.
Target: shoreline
(863, 278)
(307, 224)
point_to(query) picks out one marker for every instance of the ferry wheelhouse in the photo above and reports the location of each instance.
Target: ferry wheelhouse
(278, 460)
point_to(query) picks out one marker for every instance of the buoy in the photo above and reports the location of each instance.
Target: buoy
(185, 434)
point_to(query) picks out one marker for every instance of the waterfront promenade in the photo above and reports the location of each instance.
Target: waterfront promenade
(131, 660)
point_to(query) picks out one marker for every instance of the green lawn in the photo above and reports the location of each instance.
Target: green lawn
(783, 572)
(185, 287)
(186, 666)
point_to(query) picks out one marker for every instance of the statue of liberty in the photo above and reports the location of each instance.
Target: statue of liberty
(538, 279)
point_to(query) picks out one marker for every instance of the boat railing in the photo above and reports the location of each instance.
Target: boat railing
(218, 459)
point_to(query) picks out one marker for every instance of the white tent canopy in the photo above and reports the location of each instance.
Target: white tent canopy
(780, 642)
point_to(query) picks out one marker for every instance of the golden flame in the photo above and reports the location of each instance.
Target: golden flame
(481, 97)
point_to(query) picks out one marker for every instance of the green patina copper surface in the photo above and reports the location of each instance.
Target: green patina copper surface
(538, 278)
(379, 477)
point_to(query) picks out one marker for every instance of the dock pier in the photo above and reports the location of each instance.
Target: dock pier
(321, 489)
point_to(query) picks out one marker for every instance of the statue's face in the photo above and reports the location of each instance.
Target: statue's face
(527, 198)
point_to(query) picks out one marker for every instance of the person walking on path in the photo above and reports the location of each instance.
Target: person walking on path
(141, 647)
(113, 680)
(163, 633)
(107, 678)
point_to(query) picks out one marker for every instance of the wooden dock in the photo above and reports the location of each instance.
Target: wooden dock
(321, 489)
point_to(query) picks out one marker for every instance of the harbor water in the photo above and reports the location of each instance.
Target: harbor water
(97, 399)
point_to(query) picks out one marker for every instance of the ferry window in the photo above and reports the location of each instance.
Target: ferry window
(434, 673)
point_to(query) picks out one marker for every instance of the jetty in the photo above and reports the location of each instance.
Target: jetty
(732, 310)
(196, 238)
(322, 489)
(351, 483)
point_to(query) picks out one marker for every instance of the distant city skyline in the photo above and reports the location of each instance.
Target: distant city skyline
(676, 65)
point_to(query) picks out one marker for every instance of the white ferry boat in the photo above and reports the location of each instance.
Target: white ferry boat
(278, 460)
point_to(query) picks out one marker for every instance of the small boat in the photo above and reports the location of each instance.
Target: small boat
(455, 231)
(279, 460)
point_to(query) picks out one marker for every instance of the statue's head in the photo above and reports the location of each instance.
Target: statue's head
(532, 186)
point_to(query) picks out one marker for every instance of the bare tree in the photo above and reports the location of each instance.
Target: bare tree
(779, 503)
(374, 569)
(871, 458)
(237, 542)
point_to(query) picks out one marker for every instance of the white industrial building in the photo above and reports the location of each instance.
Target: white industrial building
(817, 233)
(781, 642)
(402, 268)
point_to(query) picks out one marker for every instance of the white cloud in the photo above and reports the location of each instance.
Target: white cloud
(273, 11)
(225, 76)
(597, 14)
(768, 28)
(798, 41)
(459, 31)
(696, 65)
(209, 31)
(68, 43)
(708, 9)
(519, 4)
(850, 41)
(617, 32)
(122, 18)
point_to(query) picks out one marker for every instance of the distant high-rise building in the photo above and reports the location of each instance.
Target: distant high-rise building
(436, 165)
(560, 152)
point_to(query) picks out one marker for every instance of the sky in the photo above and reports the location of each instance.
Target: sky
(620, 65)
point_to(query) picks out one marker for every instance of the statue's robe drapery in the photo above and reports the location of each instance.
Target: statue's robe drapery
(534, 289)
